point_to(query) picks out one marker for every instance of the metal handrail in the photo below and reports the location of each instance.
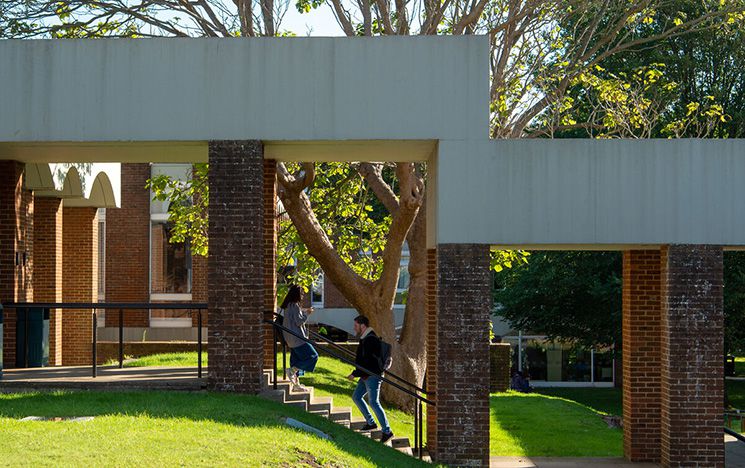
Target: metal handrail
(418, 410)
(122, 306)
(348, 361)
(336, 346)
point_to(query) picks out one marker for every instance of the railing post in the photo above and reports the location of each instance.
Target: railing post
(274, 329)
(25, 339)
(95, 340)
(121, 338)
(421, 425)
(416, 428)
(199, 343)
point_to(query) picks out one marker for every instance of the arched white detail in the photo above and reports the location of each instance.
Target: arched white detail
(39, 177)
(101, 194)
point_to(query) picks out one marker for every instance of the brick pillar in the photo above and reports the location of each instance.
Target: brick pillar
(236, 271)
(270, 255)
(48, 267)
(641, 355)
(692, 396)
(430, 301)
(79, 282)
(16, 249)
(127, 247)
(461, 358)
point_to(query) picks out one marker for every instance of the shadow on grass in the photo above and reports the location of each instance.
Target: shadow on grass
(231, 409)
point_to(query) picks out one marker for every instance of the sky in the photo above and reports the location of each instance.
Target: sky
(319, 22)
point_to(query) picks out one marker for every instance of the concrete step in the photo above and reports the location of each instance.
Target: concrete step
(406, 450)
(400, 442)
(341, 413)
(322, 413)
(358, 424)
(321, 403)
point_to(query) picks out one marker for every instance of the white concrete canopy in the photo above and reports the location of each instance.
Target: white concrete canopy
(589, 194)
(375, 99)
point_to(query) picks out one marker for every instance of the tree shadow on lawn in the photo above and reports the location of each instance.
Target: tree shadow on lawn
(541, 425)
(231, 409)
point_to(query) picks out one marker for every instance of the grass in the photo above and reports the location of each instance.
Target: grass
(175, 428)
(554, 422)
(541, 424)
(188, 359)
(736, 393)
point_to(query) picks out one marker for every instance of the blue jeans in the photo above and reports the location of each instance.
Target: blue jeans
(304, 357)
(371, 387)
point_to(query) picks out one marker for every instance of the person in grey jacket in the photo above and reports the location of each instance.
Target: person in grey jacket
(303, 356)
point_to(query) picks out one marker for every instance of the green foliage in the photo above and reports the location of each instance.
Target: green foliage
(568, 296)
(351, 218)
(734, 303)
(188, 206)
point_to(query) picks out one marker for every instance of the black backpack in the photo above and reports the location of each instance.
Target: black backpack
(385, 359)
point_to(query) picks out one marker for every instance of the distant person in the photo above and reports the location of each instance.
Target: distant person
(520, 383)
(303, 356)
(368, 356)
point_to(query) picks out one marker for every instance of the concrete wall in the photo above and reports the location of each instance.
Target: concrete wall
(228, 89)
(601, 194)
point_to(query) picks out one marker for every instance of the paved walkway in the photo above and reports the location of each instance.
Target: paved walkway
(564, 462)
(734, 458)
(108, 378)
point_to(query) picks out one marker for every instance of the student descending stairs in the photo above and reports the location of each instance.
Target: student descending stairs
(324, 406)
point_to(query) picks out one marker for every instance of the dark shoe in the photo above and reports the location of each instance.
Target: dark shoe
(369, 427)
(386, 437)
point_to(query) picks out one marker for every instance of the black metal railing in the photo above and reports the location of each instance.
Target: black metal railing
(413, 390)
(191, 307)
(733, 421)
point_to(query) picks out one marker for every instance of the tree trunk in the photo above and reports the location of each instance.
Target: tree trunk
(410, 352)
(374, 299)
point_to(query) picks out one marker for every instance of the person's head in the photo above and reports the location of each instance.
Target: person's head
(360, 324)
(295, 294)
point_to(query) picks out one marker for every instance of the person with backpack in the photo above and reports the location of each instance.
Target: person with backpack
(374, 355)
(303, 356)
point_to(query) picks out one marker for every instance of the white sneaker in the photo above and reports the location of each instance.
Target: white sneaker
(291, 375)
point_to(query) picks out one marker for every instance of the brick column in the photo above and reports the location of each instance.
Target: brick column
(270, 254)
(128, 247)
(79, 282)
(430, 302)
(641, 355)
(16, 249)
(692, 396)
(48, 267)
(236, 271)
(460, 426)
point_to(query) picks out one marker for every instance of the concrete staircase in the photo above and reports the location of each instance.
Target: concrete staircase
(324, 407)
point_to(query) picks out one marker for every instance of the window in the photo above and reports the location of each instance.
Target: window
(316, 292)
(102, 264)
(402, 287)
(170, 264)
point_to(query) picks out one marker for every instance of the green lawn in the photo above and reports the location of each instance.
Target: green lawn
(163, 360)
(553, 422)
(736, 394)
(539, 424)
(172, 429)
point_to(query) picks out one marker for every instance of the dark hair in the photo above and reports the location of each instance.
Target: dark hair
(293, 295)
(362, 320)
